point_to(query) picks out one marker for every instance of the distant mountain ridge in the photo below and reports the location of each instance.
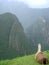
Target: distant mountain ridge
(25, 14)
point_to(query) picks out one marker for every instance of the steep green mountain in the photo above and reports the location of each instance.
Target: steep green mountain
(26, 60)
(13, 40)
(39, 32)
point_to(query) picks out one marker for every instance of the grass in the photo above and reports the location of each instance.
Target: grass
(25, 60)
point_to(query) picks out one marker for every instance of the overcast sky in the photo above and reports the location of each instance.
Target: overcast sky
(34, 3)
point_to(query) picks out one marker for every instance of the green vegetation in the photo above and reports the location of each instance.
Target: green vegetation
(13, 41)
(38, 32)
(26, 60)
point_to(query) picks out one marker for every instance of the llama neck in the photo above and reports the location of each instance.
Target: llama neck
(39, 47)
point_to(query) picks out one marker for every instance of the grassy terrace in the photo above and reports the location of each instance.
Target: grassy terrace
(25, 60)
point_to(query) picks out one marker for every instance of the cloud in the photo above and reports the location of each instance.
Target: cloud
(35, 3)
(32, 3)
(12, 0)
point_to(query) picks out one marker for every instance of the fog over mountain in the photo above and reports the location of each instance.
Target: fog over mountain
(14, 7)
(25, 14)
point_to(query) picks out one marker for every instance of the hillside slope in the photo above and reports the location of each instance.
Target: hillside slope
(26, 60)
(39, 32)
(13, 40)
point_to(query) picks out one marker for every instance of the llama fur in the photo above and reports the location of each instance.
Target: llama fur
(40, 57)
